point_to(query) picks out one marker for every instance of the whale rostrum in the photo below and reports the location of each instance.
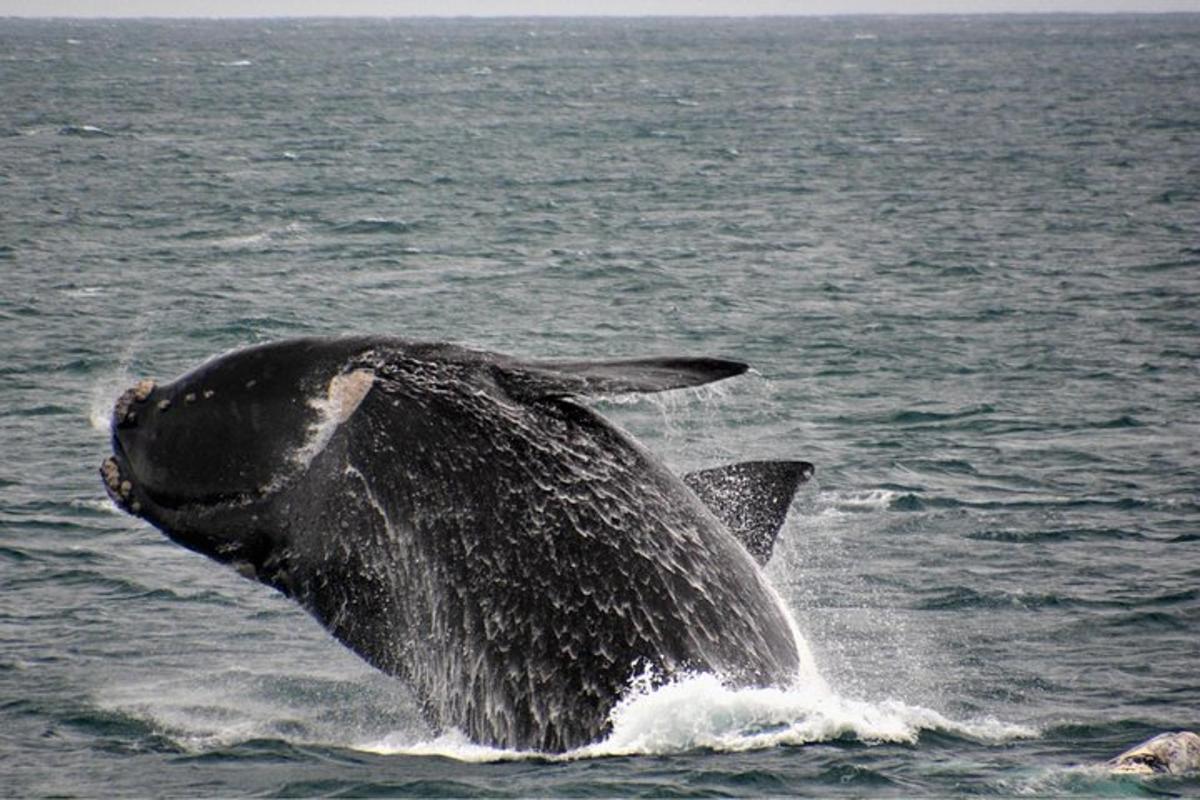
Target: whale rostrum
(459, 520)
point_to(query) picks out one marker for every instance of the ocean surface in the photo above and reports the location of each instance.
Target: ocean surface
(962, 254)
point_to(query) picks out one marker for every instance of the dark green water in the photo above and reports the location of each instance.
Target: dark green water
(963, 255)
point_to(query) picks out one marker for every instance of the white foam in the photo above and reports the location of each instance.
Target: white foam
(82, 292)
(690, 713)
(453, 744)
(871, 500)
(696, 711)
(105, 505)
(701, 712)
(291, 230)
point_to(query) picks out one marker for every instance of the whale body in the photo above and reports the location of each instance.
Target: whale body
(457, 519)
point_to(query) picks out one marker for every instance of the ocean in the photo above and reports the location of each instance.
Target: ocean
(962, 255)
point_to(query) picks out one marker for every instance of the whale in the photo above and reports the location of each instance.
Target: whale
(463, 521)
(1169, 753)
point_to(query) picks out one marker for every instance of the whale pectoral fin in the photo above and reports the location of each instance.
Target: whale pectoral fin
(751, 498)
(541, 379)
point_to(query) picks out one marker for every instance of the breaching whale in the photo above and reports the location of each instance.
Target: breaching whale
(458, 520)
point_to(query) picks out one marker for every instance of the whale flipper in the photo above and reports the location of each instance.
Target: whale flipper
(529, 380)
(751, 498)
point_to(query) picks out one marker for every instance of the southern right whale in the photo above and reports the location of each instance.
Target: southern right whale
(1171, 753)
(457, 519)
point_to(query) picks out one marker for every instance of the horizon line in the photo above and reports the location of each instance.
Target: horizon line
(599, 15)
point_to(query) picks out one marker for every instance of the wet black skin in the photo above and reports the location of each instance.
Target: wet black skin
(203, 451)
(468, 527)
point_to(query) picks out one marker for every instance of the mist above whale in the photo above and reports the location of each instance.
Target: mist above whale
(458, 520)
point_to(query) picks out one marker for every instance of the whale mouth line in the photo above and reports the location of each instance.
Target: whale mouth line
(137, 498)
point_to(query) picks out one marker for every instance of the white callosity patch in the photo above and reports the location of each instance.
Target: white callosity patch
(346, 391)
(1175, 753)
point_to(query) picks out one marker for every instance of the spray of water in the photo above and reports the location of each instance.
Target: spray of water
(109, 384)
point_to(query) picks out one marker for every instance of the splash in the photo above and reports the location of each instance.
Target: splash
(838, 503)
(351, 707)
(110, 384)
(699, 712)
(681, 425)
(331, 704)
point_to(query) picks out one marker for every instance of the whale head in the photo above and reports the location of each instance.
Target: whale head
(202, 457)
(219, 458)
